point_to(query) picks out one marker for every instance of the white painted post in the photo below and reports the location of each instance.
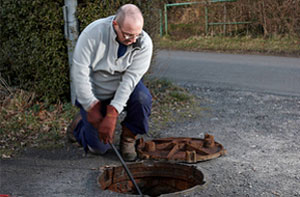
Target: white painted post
(71, 34)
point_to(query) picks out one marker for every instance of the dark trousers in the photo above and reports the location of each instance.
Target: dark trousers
(138, 110)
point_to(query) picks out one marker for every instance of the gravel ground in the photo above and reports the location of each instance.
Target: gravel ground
(261, 134)
(259, 130)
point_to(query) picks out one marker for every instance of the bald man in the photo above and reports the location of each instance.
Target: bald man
(110, 58)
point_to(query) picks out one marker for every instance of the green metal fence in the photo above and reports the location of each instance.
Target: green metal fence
(207, 23)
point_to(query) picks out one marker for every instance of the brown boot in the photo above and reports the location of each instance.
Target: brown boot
(127, 144)
(72, 126)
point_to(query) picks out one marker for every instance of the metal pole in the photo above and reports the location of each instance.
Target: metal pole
(179, 4)
(230, 23)
(71, 34)
(166, 20)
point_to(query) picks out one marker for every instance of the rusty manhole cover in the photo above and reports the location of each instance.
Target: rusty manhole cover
(180, 149)
(153, 179)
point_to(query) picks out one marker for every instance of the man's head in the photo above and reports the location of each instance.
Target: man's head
(128, 23)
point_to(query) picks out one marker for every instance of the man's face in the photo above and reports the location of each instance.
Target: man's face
(127, 33)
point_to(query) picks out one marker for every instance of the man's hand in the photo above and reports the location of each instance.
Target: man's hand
(107, 127)
(94, 115)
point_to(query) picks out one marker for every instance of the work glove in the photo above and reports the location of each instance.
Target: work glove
(94, 115)
(107, 127)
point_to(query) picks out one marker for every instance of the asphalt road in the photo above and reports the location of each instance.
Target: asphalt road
(279, 75)
(251, 105)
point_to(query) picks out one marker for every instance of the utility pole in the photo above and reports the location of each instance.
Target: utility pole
(71, 34)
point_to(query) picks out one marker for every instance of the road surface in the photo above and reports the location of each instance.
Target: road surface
(279, 75)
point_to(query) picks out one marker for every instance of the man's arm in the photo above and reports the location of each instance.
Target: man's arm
(80, 71)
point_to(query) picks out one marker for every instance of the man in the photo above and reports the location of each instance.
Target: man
(110, 58)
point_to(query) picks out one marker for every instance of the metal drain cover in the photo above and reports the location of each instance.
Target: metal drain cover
(180, 149)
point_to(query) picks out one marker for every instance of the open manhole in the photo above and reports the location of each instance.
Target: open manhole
(153, 179)
(180, 149)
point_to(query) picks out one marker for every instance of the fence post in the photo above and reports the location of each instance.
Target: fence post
(166, 20)
(206, 19)
(225, 16)
(160, 23)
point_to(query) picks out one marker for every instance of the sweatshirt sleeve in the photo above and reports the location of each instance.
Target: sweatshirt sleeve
(133, 75)
(80, 71)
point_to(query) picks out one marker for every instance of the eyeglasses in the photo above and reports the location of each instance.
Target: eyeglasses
(128, 36)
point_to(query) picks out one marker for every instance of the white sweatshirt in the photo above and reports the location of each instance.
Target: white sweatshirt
(98, 74)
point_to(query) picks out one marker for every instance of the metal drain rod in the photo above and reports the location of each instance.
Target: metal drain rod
(126, 168)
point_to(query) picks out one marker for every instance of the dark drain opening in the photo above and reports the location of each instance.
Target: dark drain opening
(154, 179)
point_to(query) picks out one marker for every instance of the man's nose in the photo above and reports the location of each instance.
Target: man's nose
(133, 39)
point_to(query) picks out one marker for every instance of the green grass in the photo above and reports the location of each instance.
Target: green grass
(276, 45)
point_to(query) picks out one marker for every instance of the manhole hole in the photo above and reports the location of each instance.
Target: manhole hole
(153, 179)
(180, 149)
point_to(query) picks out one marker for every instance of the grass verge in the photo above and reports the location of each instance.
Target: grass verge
(24, 122)
(276, 45)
